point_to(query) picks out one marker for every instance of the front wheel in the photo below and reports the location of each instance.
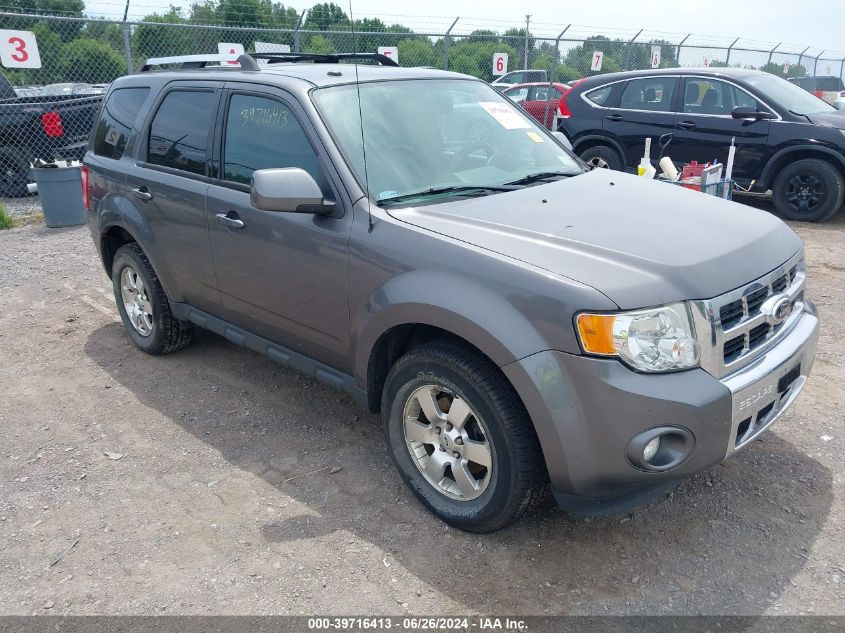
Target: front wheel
(461, 438)
(810, 190)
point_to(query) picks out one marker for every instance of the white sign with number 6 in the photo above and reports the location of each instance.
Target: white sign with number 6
(500, 64)
(19, 49)
(598, 58)
(389, 51)
(655, 56)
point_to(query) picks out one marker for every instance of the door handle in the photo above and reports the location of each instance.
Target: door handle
(614, 117)
(230, 220)
(686, 125)
(142, 193)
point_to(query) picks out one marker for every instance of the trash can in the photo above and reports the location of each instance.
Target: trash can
(60, 191)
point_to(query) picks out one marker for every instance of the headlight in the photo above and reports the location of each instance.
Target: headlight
(653, 340)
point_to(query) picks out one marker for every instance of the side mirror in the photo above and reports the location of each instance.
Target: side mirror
(560, 136)
(750, 112)
(290, 189)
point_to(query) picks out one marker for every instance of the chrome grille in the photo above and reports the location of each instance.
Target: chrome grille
(732, 329)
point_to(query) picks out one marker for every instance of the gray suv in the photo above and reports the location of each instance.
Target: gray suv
(521, 323)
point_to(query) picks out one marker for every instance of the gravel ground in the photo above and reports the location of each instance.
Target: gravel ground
(18, 207)
(205, 482)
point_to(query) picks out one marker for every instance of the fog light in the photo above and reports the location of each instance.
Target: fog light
(650, 449)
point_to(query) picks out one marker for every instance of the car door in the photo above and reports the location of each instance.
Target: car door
(704, 127)
(541, 103)
(281, 275)
(167, 187)
(645, 109)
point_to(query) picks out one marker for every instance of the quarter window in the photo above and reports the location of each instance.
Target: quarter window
(263, 133)
(117, 120)
(180, 129)
(599, 96)
(651, 93)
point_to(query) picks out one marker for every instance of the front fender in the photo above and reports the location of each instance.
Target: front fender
(444, 300)
(782, 156)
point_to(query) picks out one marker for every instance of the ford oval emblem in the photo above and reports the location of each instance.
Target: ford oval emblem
(777, 309)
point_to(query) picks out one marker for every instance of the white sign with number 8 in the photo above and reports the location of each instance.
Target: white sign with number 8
(500, 64)
(598, 58)
(19, 49)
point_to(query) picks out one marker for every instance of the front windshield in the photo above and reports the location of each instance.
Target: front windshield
(424, 135)
(787, 95)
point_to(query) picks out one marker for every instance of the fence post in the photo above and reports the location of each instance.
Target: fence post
(728, 56)
(446, 40)
(678, 50)
(816, 63)
(772, 52)
(296, 46)
(842, 69)
(626, 57)
(557, 44)
(127, 50)
(801, 56)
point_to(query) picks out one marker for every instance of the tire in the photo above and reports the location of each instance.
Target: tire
(493, 415)
(152, 326)
(14, 174)
(810, 190)
(602, 157)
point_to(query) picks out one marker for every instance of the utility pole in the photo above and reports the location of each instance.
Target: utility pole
(127, 49)
(527, 23)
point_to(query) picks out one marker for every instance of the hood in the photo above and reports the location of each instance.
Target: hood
(639, 242)
(830, 119)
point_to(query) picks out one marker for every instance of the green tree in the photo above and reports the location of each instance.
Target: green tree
(50, 49)
(320, 44)
(152, 40)
(107, 32)
(581, 57)
(476, 58)
(67, 31)
(325, 15)
(416, 51)
(90, 61)
(516, 39)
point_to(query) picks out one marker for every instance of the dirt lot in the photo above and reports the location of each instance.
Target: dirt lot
(202, 483)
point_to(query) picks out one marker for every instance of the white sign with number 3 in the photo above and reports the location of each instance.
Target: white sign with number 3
(19, 49)
(500, 64)
(598, 58)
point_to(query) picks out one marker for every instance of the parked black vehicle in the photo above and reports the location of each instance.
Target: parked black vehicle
(788, 141)
(47, 127)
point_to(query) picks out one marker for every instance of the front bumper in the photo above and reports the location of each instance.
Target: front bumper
(587, 410)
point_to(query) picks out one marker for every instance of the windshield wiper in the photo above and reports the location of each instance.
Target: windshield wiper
(434, 191)
(800, 114)
(539, 177)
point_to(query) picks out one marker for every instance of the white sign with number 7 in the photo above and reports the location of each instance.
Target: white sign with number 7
(598, 58)
(500, 64)
(19, 49)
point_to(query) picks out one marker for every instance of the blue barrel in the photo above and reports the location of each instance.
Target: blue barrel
(60, 191)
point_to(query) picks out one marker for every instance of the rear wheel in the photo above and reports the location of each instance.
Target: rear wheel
(811, 190)
(13, 175)
(143, 306)
(461, 438)
(602, 157)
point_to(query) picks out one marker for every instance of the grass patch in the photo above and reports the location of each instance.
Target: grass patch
(6, 220)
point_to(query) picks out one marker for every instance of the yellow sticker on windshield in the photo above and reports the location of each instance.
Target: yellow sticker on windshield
(535, 137)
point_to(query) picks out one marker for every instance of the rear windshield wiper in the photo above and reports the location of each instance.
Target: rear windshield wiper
(541, 176)
(434, 191)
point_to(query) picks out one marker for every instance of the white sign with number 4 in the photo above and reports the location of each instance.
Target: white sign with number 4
(500, 64)
(598, 58)
(19, 49)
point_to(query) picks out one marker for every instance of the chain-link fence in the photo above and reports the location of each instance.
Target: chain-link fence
(79, 56)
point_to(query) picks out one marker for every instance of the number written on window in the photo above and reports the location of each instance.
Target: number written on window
(19, 49)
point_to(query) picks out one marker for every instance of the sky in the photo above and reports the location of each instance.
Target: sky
(816, 23)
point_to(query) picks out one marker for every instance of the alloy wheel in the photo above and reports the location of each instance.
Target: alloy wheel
(805, 193)
(596, 162)
(448, 442)
(137, 304)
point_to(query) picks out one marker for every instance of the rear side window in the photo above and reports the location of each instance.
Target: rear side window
(263, 133)
(652, 93)
(180, 129)
(117, 120)
(599, 96)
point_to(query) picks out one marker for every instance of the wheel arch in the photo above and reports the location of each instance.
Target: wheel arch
(791, 154)
(593, 140)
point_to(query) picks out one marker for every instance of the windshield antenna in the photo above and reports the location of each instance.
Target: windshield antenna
(361, 118)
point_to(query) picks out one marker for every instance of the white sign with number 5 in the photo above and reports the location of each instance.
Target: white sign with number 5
(500, 64)
(19, 49)
(598, 58)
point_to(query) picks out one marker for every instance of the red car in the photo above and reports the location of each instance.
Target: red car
(540, 100)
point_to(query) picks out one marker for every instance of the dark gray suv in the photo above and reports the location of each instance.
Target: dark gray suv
(518, 320)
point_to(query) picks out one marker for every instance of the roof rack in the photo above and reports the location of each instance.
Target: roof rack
(247, 61)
